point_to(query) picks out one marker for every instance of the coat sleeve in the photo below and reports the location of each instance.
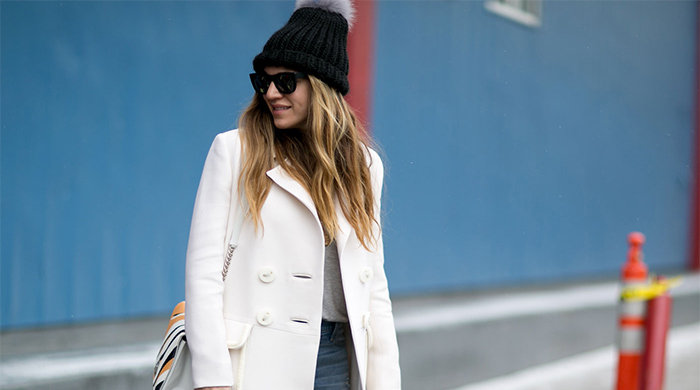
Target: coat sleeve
(204, 323)
(383, 372)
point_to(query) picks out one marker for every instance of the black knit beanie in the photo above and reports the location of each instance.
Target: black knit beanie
(313, 41)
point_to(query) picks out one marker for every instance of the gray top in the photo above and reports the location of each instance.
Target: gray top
(333, 297)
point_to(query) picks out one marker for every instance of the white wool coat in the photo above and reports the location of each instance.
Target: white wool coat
(260, 329)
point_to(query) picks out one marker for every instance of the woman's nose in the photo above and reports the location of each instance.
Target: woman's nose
(272, 92)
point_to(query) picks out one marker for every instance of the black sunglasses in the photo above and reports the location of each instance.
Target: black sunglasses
(286, 82)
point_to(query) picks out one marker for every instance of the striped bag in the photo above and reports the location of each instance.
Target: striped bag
(173, 370)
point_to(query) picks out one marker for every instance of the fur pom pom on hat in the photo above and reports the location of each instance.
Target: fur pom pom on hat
(313, 41)
(344, 8)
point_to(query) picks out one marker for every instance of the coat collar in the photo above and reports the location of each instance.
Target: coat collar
(287, 182)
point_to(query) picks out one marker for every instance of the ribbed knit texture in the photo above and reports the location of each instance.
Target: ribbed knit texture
(334, 307)
(313, 41)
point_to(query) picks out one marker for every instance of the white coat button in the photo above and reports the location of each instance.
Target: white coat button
(264, 317)
(267, 274)
(366, 274)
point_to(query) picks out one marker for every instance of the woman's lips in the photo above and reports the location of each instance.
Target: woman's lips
(277, 110)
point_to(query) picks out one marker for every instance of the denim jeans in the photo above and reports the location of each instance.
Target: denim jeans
(332, 368)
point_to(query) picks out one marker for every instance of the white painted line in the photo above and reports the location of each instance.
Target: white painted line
(591, 370)
(523, 304)
(65, 365)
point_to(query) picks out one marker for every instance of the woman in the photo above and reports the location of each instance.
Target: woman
(305, 304)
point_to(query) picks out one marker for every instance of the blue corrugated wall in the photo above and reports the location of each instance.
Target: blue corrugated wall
(108, 111)
(521, 155)
(514, 154)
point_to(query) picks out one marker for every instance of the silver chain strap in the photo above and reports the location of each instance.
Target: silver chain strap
(227, 262)
(233, 243)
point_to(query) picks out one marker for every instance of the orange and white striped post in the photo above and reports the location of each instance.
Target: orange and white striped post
(630, 339)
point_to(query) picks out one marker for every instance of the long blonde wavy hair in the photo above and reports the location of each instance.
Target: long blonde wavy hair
(329, 159)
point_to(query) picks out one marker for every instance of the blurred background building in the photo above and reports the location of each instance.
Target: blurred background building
(522, 139)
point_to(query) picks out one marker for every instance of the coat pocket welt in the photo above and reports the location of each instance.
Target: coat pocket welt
(237, 333)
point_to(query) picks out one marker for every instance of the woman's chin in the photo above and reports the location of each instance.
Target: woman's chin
(287, 126)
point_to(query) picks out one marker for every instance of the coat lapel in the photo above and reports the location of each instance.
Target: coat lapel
(344, 229)
(282, 179)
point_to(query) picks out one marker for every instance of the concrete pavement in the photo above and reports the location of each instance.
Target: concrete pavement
(453, 341)
(596, 370)
(484, 337)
